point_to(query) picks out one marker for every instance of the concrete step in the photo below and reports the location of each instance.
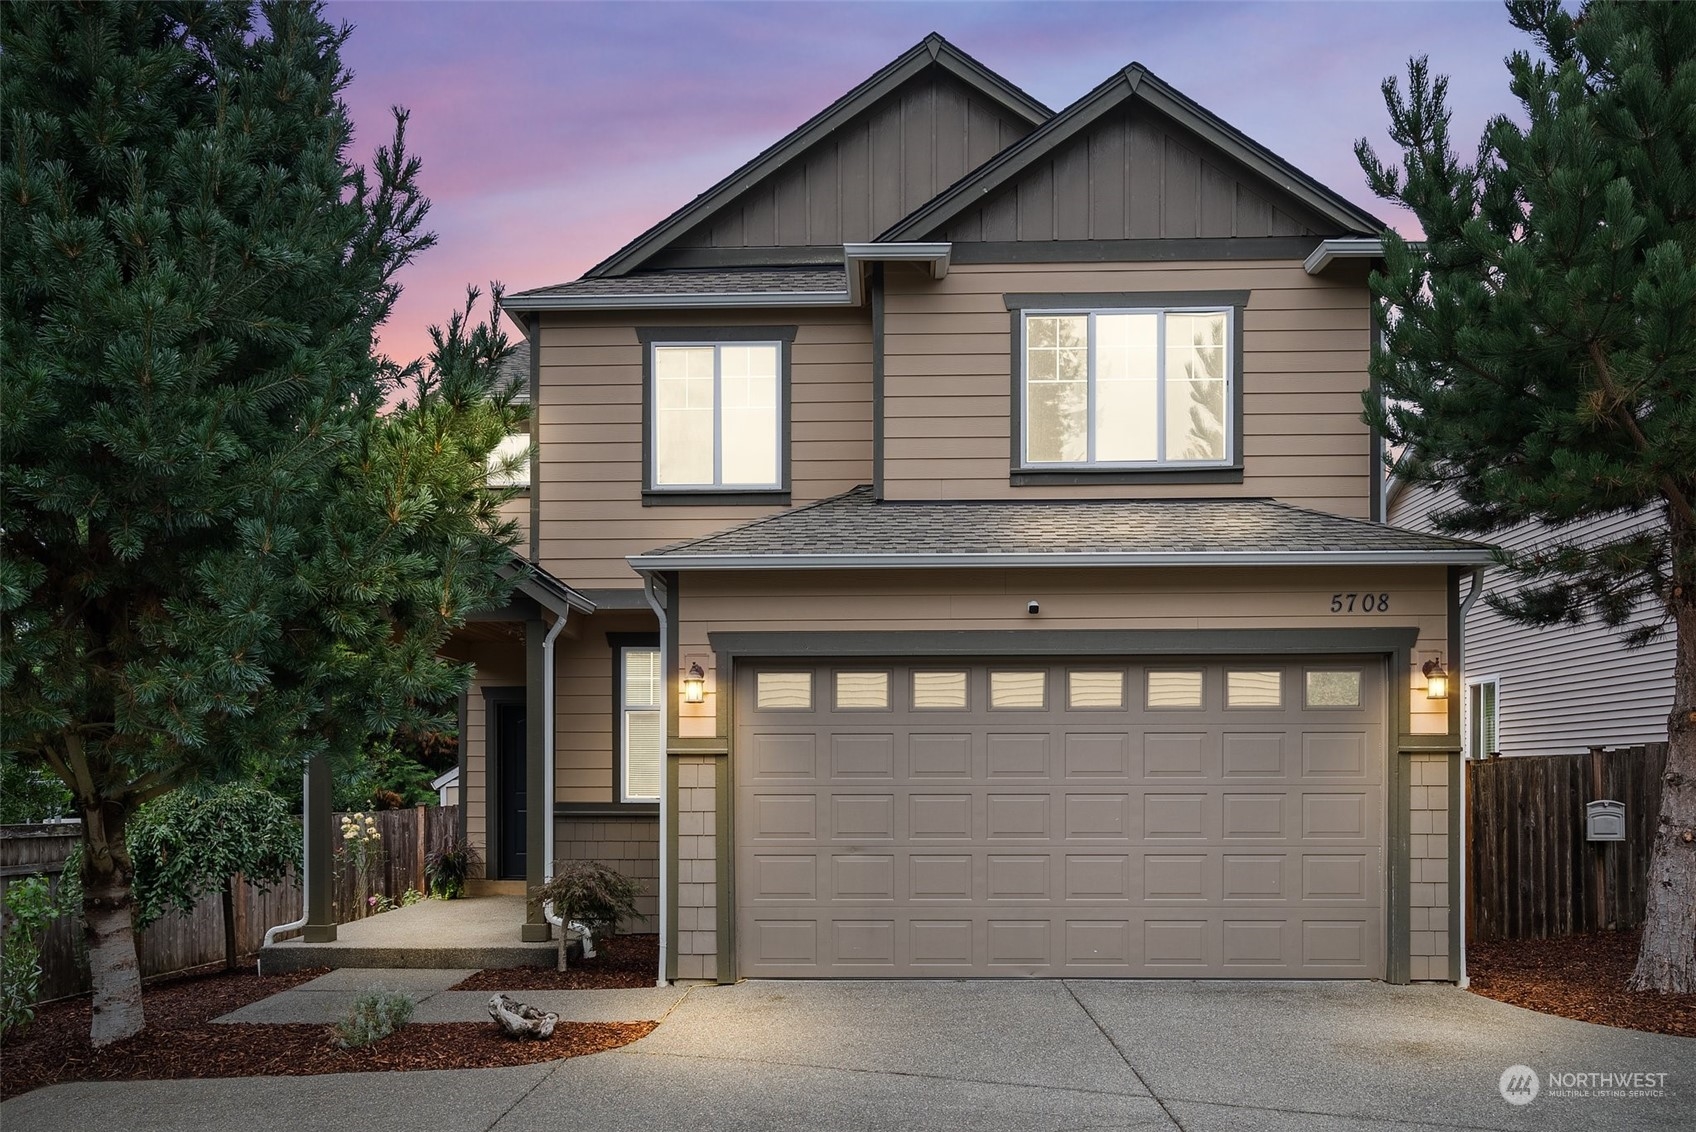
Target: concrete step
(294, 955)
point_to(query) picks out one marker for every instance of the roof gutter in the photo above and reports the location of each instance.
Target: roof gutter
(685, 561)
(1347, 247)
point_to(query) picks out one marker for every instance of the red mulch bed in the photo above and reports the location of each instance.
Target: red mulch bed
(181, 1041)
(1580, 977)
(621, 962)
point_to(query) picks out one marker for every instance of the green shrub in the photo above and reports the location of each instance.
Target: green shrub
(448, 866)
(30, 909)
(593, 893)
(375, 1015)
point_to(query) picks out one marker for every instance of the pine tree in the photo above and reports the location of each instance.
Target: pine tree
(216, 551)
(1541, 351)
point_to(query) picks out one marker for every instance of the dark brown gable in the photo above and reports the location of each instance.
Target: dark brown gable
(866, 175)
(1136, 175)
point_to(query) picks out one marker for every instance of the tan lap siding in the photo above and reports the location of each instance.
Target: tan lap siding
(590, 427)
(942, 600)
(584, 735)
(948, 406)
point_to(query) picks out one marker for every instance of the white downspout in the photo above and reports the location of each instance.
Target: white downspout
(1457, 648)
(305, 865)
(654, 603)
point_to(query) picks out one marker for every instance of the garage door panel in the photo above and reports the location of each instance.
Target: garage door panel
(1067, 839)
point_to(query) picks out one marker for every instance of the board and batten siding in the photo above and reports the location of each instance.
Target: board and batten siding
(948, 382)
(869, 173)
(590, 476)
(1565, 688)
(1136, 175)
(955, 600)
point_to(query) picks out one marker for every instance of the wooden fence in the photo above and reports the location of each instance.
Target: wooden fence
(177, 941)
(1531, 874)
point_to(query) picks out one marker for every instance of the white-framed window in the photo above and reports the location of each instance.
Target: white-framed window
(717, 420)
(1128, 388)
(511, 462)
(1482, 712)
(640, 727)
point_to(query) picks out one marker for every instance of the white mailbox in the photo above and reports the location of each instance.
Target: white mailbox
(1604, 820)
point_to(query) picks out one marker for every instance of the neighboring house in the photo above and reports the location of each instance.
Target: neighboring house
(1556, 690)
(956, 550)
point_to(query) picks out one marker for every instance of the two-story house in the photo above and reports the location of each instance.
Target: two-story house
(957, 551)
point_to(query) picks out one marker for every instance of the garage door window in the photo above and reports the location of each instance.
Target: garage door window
(862, 691)
(1254, 688)
(1095, 691)
(1174, 688)
(1018, 691)
(939, 691)
(1333, 687)
(784, 691)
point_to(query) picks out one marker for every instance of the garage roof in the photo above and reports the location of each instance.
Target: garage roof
(855, 530)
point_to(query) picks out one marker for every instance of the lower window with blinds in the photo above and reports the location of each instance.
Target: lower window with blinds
(639, 724)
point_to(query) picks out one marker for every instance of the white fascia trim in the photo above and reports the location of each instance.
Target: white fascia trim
(937, 253)
(1347, 247)
(1022, 561)
(650, 302)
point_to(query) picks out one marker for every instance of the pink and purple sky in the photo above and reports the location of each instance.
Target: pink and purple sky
(553, 133)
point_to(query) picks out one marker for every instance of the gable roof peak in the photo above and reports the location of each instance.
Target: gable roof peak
(931, 51)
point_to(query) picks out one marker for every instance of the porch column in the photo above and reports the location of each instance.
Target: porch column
(537, 809)
(320, 924)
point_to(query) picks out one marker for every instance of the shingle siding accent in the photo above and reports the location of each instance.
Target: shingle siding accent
(630, 845)
(1430, 794)
(697, 869)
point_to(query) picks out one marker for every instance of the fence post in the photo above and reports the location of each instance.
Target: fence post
(418, 869)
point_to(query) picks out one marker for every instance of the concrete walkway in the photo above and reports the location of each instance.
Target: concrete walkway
(476, 932)
(331, 996)
(987, 1056)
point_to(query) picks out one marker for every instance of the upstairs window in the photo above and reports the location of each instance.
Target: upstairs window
(511, 464)
(1128, 388)
(717, 416)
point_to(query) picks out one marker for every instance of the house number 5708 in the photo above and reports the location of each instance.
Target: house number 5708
(1366, 603)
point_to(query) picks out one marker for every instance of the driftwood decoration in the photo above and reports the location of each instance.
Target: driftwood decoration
(517, 1020)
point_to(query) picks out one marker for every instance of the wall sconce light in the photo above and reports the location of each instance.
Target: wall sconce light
(1436, 680)
(695, 685)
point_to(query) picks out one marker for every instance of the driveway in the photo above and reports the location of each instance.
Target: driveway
(985, 1056)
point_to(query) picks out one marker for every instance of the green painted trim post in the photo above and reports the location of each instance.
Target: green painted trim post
(1398, 966)
(724, 872)
(1457, 776)
(670, 851)
(537, 812)
(320, 924)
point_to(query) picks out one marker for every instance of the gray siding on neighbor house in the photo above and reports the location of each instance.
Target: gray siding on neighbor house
(869, 173)
(1136, 175)
(1563, 689)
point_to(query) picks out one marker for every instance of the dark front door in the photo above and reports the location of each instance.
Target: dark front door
(510, 780)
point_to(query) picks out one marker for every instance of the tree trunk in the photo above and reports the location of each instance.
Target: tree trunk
(1667, 960)
(564, 945)
(109, 914)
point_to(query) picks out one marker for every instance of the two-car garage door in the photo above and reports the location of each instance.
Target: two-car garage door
(1214, 818)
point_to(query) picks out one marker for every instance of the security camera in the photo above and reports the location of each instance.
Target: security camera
(1033, 608)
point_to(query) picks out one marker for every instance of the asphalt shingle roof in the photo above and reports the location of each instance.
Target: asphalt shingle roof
(726, 281)
(854, 524)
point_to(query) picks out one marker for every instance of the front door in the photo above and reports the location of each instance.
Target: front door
(510, 781)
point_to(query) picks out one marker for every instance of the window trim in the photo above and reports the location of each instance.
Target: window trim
(655, 494)
(620, 643)
(1469, 722)
(1022, 305)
